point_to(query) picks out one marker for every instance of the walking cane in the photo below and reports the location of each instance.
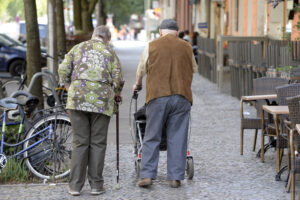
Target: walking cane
(117, 139)
(118, 99)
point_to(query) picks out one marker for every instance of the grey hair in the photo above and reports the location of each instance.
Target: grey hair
(168, 31)
(103, 33)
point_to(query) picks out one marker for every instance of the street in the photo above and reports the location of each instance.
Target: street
(129, 53)
(220, 172)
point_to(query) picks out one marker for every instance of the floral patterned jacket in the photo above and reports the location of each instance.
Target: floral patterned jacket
(94, 73)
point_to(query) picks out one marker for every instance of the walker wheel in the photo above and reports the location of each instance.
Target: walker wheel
(277, 178)
(190, 168)
(137, 164)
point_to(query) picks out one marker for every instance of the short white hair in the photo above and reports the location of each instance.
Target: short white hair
(102, 32)
(168, 31)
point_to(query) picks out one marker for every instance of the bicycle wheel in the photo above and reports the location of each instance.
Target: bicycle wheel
(11, 86)
(52, 158)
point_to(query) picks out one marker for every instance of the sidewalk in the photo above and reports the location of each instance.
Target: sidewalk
(220, 172)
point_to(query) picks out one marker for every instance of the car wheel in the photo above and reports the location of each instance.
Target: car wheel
(17, 68)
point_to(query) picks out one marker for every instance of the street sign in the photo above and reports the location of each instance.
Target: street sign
(202, 25)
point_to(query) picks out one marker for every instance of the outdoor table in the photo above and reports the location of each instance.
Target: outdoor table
(298, 128)
(259, 97)
(265, 97)
(276, 111)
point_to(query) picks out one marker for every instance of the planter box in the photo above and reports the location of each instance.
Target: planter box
(271, 72)
(285, 74)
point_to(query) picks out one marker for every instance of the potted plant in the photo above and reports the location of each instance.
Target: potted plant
(285, 72)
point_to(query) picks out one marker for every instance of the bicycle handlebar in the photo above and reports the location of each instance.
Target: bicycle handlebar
(10, 100)
(30, 101)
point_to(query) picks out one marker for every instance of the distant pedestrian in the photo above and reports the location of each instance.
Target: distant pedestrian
(195, 45)
(181, 34)
(195, 39)
(94, 74)
(169, 64)
(17, 19)
(186, 36)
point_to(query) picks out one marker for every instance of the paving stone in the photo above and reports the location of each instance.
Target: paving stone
(220, 172)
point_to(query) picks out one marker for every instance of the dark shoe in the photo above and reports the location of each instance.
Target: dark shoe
(174, 183)
(73, 192)
(97, 191)
(145, 182)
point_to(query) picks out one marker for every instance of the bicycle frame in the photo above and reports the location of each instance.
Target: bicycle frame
(48, 136)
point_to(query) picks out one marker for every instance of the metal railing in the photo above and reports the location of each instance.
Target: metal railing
(248, 58)
(207, 58)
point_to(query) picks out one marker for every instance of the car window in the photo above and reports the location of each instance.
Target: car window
(4, 41)
(42, 30)
(10, 41)
(22, 28)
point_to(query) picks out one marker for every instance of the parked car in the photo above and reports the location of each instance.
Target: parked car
(42, 33)
(13, 56)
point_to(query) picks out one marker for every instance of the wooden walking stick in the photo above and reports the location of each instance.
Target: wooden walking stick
(118, 99)
(117, 139)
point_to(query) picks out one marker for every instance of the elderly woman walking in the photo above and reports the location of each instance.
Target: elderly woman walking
(92, 74)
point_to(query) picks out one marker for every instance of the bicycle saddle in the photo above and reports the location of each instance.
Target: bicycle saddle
(9, 103)
(32, 101)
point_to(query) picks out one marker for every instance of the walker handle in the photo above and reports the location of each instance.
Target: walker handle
(135, 94)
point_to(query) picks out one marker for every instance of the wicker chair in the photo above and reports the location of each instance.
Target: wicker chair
(284, 91)
(294, 136)
(261, 86)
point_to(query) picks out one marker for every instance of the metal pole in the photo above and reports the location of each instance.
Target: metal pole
(52, 46)
(148, 21)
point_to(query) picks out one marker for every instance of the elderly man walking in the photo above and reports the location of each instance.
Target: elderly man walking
(93, 72)
(169, 65)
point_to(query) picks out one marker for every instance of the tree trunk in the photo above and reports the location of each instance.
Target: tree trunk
(33, 55)
(100, 13)
(87, 9)
(77, 15)
(85, 17)
(61, 34)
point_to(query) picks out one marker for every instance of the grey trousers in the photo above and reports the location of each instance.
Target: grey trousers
(173, 112)
(89, 146)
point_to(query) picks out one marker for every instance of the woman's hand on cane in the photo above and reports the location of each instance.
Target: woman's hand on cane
(118, 98)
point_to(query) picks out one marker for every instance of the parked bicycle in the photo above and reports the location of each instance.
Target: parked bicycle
(46, 155)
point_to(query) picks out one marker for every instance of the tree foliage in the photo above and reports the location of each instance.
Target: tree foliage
(123, 9)
(9, 9)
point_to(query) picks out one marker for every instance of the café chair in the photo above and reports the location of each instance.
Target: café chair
(284, 91)
(294, 140)
(261, 86)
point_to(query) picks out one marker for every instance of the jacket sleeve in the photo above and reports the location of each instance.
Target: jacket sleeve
(65, 68)
(142, 67)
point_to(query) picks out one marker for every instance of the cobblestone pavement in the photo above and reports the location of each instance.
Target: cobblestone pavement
(220, 172)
